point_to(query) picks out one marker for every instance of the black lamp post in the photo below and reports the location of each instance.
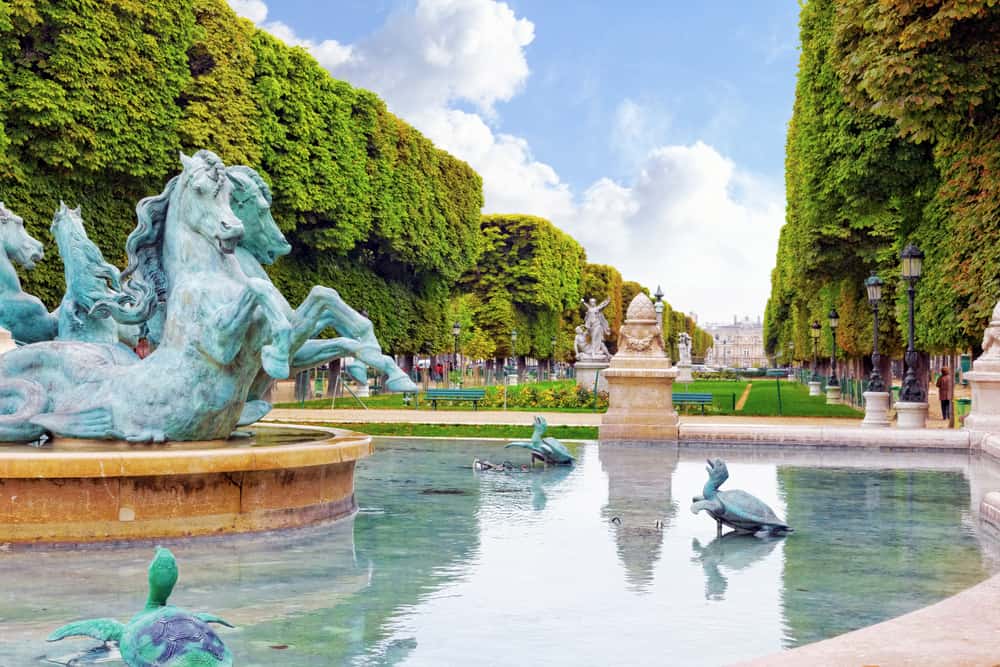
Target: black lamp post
(513, 356)
(456, 329)
(874, 287)
(552, 366)
(814, 331)
(913, 262)
(834, 322)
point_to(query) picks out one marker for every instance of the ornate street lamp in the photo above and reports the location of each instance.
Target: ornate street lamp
(552, 366)
(913, 262)
(834, 322)
(814, 330)
(658, 307)
(513, 343)
(874, 287)
(456, 329)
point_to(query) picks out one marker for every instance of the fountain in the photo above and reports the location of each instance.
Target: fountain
(139, 447)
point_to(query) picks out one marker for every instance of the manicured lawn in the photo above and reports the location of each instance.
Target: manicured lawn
(795, 402)
(470, 430)
(725, 394)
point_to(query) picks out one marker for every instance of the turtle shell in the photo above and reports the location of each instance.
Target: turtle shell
(172, 637)
(744, 511)
(557, 451)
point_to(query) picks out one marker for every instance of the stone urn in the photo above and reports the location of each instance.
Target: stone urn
(640, 381)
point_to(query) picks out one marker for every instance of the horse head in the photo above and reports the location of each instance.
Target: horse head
(251, 202)
(15, 241)
(203, 201)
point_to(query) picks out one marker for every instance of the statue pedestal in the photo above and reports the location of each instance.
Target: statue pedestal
(587, 370)
(640, 382)
(911, 415)
(361, 389)
(814, 388)
(6, 341)
(985, 414)
(876, 409)
(684, 373)
(833, 396)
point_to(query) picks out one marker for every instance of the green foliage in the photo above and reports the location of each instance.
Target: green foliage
(545, 395)
(527, 276)
(795, 402)
(97, 98)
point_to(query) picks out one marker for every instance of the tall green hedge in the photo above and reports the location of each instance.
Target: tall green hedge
(894, 138)
(98, 98)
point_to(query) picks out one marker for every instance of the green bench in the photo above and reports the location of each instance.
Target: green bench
(693, 399)
(474, 395)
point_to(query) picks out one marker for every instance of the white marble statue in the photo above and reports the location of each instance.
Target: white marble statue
(597, 330)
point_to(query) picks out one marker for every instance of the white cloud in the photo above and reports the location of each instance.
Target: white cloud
(688, 220)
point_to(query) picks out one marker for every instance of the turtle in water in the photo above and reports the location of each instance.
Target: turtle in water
(737, 509)
(547, 450)
(159, 635)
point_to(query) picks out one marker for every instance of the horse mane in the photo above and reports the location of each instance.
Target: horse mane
(143, 245)
(240, 174)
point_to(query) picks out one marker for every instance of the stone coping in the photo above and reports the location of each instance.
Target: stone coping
(825, 436)
(89, 459)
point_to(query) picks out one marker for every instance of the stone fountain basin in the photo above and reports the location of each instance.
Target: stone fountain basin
(91, 491)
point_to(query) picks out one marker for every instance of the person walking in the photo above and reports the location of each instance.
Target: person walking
(945, 386)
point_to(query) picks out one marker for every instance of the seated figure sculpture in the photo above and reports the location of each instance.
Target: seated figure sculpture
(216, 328)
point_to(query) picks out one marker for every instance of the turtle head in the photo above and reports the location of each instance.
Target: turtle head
(162, 577)
(717, 474)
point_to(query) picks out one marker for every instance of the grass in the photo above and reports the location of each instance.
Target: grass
(469, 430)
(722, 391)
(795, 402)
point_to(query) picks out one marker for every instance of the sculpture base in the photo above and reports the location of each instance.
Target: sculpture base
(815, 388)
(911, 415)
(6, 341)
(684, 373)
(587, 371)
(984, 417)
(833, 396)
(641, 405)
(90, 491)
(876, 409)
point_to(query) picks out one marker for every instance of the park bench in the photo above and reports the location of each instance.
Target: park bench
(474, 395)
(693, 399)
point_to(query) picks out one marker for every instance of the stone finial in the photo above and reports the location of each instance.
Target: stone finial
(640, 310)
(640, 336)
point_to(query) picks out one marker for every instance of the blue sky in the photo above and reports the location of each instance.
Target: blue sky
(653, 132)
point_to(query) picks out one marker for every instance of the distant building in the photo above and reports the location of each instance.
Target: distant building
(736, 345)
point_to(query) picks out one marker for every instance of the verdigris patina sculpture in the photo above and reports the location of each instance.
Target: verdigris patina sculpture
(24, 315)
(547, 450)
(160, 635)
(218, 325)
(737, 509)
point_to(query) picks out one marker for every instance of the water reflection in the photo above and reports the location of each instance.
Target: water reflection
(874, 544)
(727, 554)
(639, 495)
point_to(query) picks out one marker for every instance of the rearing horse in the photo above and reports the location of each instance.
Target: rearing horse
(219, 326)
(263, 243)
(22, 314)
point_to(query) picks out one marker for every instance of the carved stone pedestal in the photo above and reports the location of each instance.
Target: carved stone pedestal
(876, 409)
(640, 382)
(911, 415)
(684, 373)
(588, 370)
(814, 388)
(833, 396)
(984, 416)
(6, 341)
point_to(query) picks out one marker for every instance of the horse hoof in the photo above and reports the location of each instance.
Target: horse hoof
(274, 362)
(400, 383)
